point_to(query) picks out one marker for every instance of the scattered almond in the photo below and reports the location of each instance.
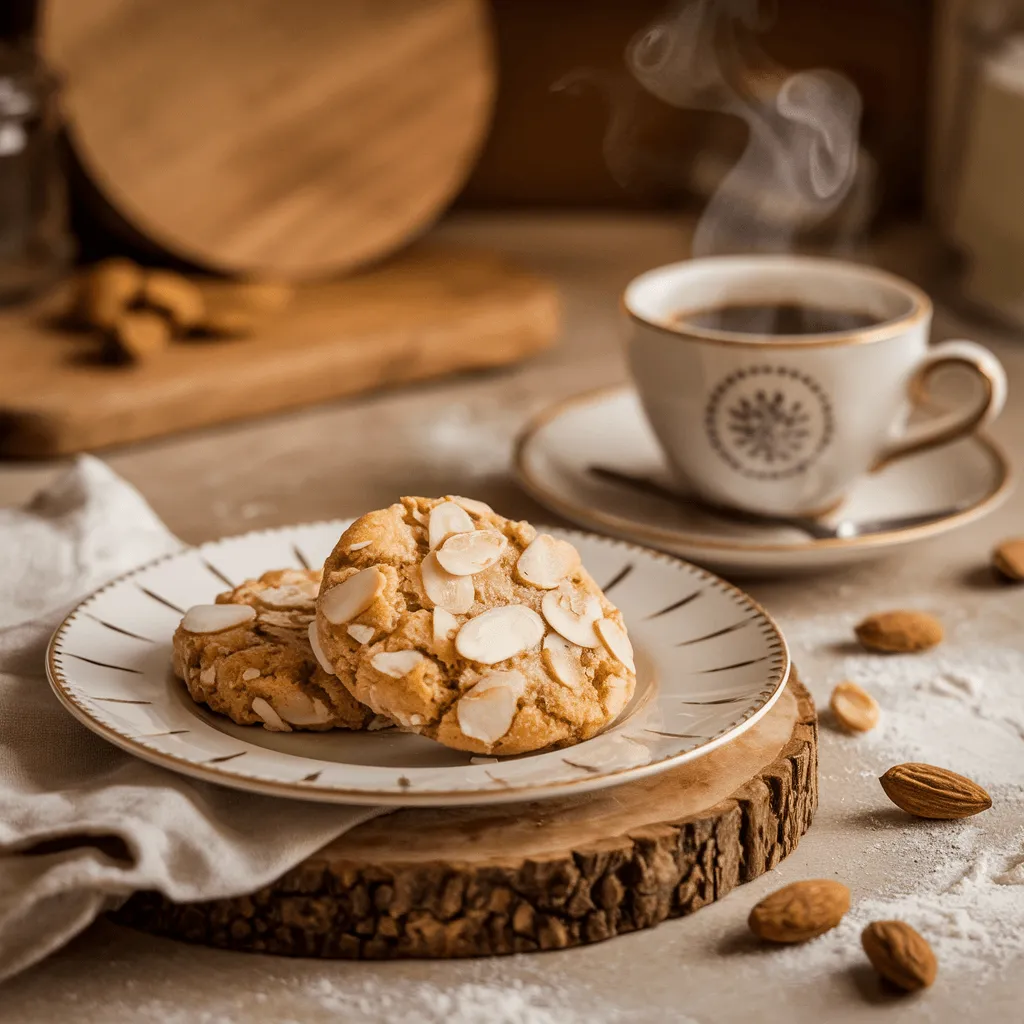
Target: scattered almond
(136, 336)
(105, 291)
(899, 632)
(176, 297)
(899, 954)
(930, 792)
(1008, 559)
(800, 911)
(855, 709)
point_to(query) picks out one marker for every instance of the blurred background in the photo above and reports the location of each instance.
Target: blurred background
(177, 176)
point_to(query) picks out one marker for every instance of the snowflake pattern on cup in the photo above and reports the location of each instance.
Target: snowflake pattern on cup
(769, 422)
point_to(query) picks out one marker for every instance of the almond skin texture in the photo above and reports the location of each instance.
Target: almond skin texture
(855, 709)
(899, 954)
(800, 911)
(899, 632)
(929, 792)
(1008, 559)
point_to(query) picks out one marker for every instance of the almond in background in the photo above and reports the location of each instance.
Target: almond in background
(1008, 559)
(929, 792)
(800, 911)
(899, 632)
(900, 954)
(855, 709)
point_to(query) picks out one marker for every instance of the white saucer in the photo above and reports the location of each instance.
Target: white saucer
(710, 662)
(960, 483)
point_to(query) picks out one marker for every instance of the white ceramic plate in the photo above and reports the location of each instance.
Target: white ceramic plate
(959, 482)
(710, 663)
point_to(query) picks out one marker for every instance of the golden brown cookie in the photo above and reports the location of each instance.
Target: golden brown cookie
(249, 657)
(472, 629)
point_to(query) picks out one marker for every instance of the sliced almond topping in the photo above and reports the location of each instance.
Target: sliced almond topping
(499, 633)
(471, 505)
(616, 642)
(445, 625)
(289, 595)
(453, 593)
(208, 676)
(485, 712)
(446, 519)
(573, 614)
(396, 663)
(563, 661)
(616, 696)
(352, 596)
(215, 618)
(298, 709)
(271, 719)
(318, 651)
(547, 561)
(360, 633)
(251, 673)
(359, 545)
(468, 553)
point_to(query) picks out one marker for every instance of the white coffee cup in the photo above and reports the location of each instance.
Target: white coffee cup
(784, 423)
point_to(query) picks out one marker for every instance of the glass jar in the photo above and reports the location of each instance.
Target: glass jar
(35, 244)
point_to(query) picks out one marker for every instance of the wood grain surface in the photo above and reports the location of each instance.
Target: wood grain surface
(433, 310)
(458, 882)
(292, 139)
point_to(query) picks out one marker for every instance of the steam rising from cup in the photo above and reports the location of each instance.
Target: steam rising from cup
(801, 157)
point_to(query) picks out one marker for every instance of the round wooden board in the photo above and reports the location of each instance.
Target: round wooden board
(477, 881)
(288, 139)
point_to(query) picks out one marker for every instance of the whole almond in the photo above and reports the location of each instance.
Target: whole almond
(855, 709)
(800, 911)
(899, 954)
(930, 792)
(899, 632)
(1008, 559)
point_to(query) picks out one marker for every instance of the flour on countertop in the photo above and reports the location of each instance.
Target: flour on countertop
(959, 706)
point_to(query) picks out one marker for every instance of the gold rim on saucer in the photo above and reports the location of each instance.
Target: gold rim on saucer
(596, 518)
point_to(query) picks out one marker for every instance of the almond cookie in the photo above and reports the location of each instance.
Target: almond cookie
(472, 629)
(249, 657)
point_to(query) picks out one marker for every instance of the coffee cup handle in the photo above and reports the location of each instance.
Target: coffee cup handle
(958, 423)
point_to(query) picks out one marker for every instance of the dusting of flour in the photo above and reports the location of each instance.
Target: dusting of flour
(959, 706)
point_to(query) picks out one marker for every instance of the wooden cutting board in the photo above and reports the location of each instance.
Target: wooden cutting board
(289, 139)
(476, 881)
(431, 311)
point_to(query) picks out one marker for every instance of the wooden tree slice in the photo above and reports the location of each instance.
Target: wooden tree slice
(475, 881)
(291, 139)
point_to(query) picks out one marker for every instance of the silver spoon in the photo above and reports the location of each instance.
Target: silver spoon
(842, 530)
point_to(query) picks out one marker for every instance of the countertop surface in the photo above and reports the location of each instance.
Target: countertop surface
(962, 884)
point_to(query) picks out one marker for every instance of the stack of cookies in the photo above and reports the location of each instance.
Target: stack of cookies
(436, 616)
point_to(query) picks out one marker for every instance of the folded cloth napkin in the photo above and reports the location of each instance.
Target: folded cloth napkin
(61, 785)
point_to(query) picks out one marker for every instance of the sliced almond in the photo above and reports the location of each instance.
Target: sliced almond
(547, 561)
(572, 613)
(359, 545)
(446, 519)
(453, 593)
(396, 664)
(616, 642)
(360, 633)
(298, 709)
(467, 553)
(616, 696)
(271, 719)
(445, 626)
(318, 651)
(289, 595)
(215, 618)
(250, 674)
(499, 633)
(471, 505)
(352, 596)
(855, 709)
(485, 712)
(563, 661)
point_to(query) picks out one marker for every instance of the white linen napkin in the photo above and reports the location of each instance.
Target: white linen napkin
(58, 782)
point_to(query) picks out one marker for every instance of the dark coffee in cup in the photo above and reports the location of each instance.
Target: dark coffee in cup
(788, 318)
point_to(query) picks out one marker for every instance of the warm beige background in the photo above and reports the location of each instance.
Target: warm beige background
(456, 437)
